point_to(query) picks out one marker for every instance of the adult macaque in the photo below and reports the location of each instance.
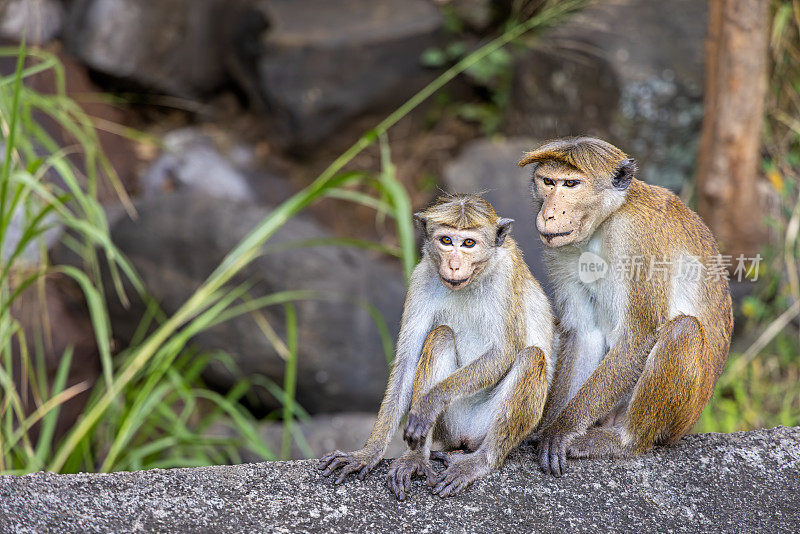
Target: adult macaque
(474, 355)
(645, 322)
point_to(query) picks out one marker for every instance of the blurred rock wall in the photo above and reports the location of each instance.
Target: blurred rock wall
(306, 72)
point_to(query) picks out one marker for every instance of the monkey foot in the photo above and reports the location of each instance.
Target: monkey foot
(359, 462)
(448, 457)
(401, 470)
(464, 469)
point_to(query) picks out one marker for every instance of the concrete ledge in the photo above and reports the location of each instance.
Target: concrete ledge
(743, 482)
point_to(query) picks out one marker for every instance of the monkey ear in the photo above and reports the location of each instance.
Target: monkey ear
(503, 227)
(421, 221)
(625, 173)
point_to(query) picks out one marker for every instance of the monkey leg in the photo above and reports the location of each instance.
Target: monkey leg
(673, 388)
(437, 361)
(515, 409)
(598, 442)
(666, 400)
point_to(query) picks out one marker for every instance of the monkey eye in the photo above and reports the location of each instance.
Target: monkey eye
(570, 183)
(468, 243)
(445, 240)
(548, 182)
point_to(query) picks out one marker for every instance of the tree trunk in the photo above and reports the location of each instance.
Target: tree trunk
(728, 155)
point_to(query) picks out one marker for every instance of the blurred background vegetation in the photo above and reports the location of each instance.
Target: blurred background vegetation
(205, 209)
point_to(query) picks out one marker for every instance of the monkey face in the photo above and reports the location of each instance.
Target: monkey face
(577, 183)
(572, 203)
(460, 254)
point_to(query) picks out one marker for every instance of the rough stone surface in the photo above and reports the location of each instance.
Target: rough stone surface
(744, 482)
(319, 66)
(489, 166)
(179, 239)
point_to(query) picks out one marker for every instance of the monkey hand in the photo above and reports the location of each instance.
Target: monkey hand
(361, 462)
(553, 446)
(401, 470)
(417, 428)
(421, 418)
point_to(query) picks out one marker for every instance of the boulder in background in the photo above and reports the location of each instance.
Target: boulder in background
(175, 46)
(40, 21)
(179, 239)
(321, 63)
(636, 80)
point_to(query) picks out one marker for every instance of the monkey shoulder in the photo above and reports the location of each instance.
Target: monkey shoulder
(659, 221)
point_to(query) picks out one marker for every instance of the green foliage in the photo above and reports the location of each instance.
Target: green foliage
(150, 408)
(760, 386)
(155, 420)
(492, 76)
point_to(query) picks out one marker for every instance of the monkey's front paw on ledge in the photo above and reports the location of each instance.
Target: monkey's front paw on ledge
(401, 470)
(360, 462)
(553, 452)
(416, 430)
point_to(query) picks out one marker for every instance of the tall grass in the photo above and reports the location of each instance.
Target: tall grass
(144, 411)
(45, 190)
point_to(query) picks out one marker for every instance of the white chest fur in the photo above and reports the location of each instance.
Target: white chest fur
(474, 326)
(590, 307)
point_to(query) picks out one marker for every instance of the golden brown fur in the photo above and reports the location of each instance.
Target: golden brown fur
(474, 356)
(667, 335)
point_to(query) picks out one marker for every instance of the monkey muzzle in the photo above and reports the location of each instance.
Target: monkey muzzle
(552, 238)
(550, 235)
(454, 284)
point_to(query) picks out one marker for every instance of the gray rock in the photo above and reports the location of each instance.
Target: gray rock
(191, 161)
(319, 65)
(637, 81)
(179, 239)
(556, 94)
(490, 167)
(743, 482)
(176, 46)
(39, 20)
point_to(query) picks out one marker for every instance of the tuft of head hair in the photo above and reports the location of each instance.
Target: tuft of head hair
(592, 156)
(460, 211)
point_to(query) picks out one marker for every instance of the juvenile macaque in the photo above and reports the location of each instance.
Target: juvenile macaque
(645, 310)
(474, 355)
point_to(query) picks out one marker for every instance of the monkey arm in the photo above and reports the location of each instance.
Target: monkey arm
(614, 377)
(483, 372)
(417, 321)
(559, 390)
(395, 403)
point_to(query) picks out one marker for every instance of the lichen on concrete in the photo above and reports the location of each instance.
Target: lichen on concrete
(742, 482)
